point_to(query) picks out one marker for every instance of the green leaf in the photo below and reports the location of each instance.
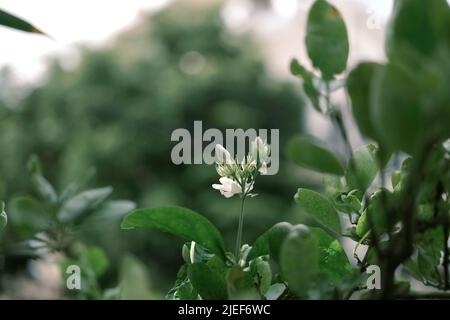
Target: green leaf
(365, 167)
(395, 178)
(42, 185)
(319, 208)
(95, 259)
(45, 189)
(310, 153)
(82, 203)
(208, 280)
(260, 247)
(308, 84)
(3, 216)
(277, 234)
(183, 288)
(262, 273)
(419, 26)
(11, 21)
(396, 109)
(179, 221)
(359, 89)
(327, 39)
(114, 209)
(299, 258)
(333, 261)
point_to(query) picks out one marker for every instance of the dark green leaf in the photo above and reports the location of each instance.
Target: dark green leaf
(418, 25)
(9, 20)
(179, 221)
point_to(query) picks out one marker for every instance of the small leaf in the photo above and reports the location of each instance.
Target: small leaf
(310, 153)
(95, 259)
(11, 21)
(182, 222)
(308, 83)
(262, 273)
(327, 39)
(319, 208)
(365, 167)
(114, 209)
(209, 282)
(299, 259)
(82, 203)
(45, 189)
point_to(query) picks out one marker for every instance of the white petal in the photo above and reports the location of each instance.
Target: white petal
(222, 155)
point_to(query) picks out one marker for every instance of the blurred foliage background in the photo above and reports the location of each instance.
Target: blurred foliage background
(115, 112)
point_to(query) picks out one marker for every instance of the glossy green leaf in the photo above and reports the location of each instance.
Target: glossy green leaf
(179, 221)
(319, 208)
(82, 203)
(327, 39)
(310, 153)
(299, 259)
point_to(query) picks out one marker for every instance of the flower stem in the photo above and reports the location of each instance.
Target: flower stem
(240, 228)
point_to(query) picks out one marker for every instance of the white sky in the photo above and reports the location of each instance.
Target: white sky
(71, 22)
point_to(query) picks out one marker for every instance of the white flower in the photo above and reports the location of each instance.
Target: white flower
(259, 150)
(263, 169)
(222, 155)
(228, 187)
